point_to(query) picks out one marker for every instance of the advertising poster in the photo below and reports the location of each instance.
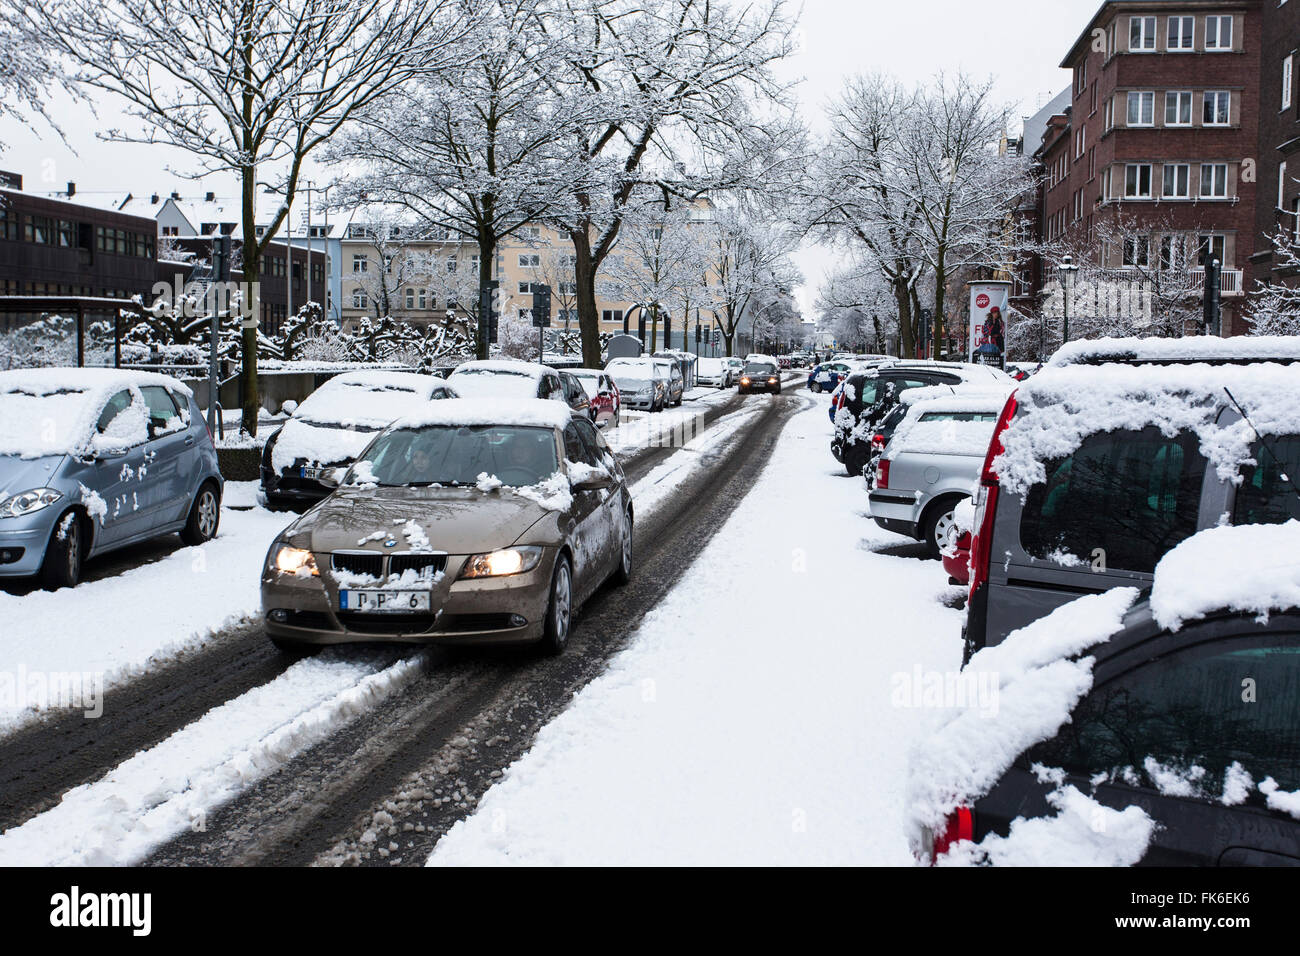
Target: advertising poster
(988, 318)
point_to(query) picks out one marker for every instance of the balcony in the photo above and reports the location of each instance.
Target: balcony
(1230, 281)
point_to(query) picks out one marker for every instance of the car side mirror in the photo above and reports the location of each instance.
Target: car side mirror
(333, 478)
(594, 482)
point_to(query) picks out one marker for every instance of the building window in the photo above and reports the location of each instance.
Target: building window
(1078, 204)
(1137, 251)
(529, 261)
(1080, 138)
(8, 223)
(1137, 181)
(1178, 108)
(525, 288)
(1081, 77)
(41, 229)
(1093, 107)
(531, 233)
(360, 264)
(1173, 252)
(1214, 180)
(1141, 34)
(1177, 176)
(1141, 108)
(1211, 245)
(1218, 32)
(1218, 107)
(424, 300)
(410, 298)
(1108, 114)
(611, 315)
(1180, 32)
(359, 300)
(1286, 81)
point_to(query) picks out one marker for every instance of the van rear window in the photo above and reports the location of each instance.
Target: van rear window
(1131, 494)
(1265, 495)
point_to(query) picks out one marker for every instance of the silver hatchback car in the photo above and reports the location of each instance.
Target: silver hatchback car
(932, 463)
(96, 459)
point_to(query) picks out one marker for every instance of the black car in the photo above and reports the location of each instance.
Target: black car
(760, 377)
(866, 398)
(1222, 695)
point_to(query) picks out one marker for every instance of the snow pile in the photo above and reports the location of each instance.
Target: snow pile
(1082, 833)
(1265, 560)
(1038, 686)
(1059, 407)
(1281, 800)
(53, 411)
(338, 420)
(553, 493)
(1199, 348)
(580, 471)
(488, 483)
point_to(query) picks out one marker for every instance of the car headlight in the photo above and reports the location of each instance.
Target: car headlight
(744, 381)
(28, 502)
(290, 560)
(503, 562)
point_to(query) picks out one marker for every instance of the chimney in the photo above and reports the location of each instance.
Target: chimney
(210, 197)
(72, 190)
(153, 200)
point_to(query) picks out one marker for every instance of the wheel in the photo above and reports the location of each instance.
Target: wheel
(855, 459)
(559, 611)
(62, 565)
(623, 573)
(939, 524)
(815, 388)
(205, 516)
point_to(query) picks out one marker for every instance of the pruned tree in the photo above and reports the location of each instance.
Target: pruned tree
(1275, 308)
(249, 87)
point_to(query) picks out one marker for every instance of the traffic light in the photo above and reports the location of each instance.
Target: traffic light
(487, 316)
(541, 306)
(221, 259)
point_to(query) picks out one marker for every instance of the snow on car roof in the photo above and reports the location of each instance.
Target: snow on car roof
(1059, 407)
(1016, 694)
(946, 436)
(1192, 348)
(1265, 560)
(498, 378)
(980, 393)
(539, 412)
(52, 411)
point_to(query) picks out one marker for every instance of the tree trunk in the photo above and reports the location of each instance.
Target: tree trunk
(906, 336)
(940, 296)
(487, 250)
(252, 264)
(584, 275)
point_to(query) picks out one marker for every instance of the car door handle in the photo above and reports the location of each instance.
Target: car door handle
(190, 440)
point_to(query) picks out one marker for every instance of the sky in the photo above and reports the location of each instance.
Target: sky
(1019, 43)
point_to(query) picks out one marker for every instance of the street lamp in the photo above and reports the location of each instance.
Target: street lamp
(1067, 269)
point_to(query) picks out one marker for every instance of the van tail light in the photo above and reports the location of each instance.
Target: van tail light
(959, 826)
(877, 442)
(882, 473)
(986, 503)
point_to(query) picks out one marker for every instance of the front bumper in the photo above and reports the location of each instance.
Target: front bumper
(896, 511)
(29, 535)
(292, 488)
(478, 611)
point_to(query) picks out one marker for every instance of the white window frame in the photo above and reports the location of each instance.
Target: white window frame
(1170, 36)
(1137, 252)
(1146, 31)
(1177, 98)
(1108, 114)
(1186, 192)
(1218, 184)
(359, 299)
(1137, 168)
(1288, 66)
(530, 260)
(1213, 96)
(410, 298)
(1220, 19)
(360, 264)
(1080, 142)
(1281, 184)
(1143, 98)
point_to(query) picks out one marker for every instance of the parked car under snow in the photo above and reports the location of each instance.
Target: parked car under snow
(333, 425)
(92, 460)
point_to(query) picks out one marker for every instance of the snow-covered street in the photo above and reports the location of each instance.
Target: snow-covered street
(752, 718)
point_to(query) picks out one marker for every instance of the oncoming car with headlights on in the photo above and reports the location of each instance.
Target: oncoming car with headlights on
(760, 376)
(475, 522)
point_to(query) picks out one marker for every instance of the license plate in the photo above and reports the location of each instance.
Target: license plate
(315, 474)
(384, 602)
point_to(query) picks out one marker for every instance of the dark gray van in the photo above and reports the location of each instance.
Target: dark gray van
(1096, 470)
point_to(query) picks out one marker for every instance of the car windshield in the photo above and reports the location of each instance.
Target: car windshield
(458, 455)
(760, 368)
(43, 421)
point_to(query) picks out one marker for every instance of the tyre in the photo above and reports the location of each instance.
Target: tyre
(63, 555)
(815, 388)
(938, 524)
(855, 459)
(623, 573)
(559, 610)
(205, 516)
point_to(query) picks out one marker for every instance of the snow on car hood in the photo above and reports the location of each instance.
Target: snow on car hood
(453, 520)
(1265, 560)
(24, 474)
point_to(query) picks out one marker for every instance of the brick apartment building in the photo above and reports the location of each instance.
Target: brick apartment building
(1160, 139)
(1278, 205)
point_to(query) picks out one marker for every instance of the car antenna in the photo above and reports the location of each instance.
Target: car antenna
(1263, 441)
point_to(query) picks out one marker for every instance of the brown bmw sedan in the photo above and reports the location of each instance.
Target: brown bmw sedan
(478, 521)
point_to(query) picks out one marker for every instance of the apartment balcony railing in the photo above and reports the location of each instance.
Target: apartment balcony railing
(1231, 280)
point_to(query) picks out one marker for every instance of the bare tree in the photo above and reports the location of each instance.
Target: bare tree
(749, 259)
(29, 70)
(1275, 308)
(249, 86)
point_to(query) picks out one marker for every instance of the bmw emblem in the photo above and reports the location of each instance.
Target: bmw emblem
(390, 543)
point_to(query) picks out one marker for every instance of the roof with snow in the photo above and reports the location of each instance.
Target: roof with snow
(1192, 348)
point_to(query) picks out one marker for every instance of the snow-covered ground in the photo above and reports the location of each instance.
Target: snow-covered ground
(760, 715)
(104, 632)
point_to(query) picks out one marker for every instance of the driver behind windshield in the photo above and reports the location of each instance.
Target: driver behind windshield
(457, 455)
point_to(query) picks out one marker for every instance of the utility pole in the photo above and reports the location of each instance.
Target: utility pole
(220, 274)
(1211, 322)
